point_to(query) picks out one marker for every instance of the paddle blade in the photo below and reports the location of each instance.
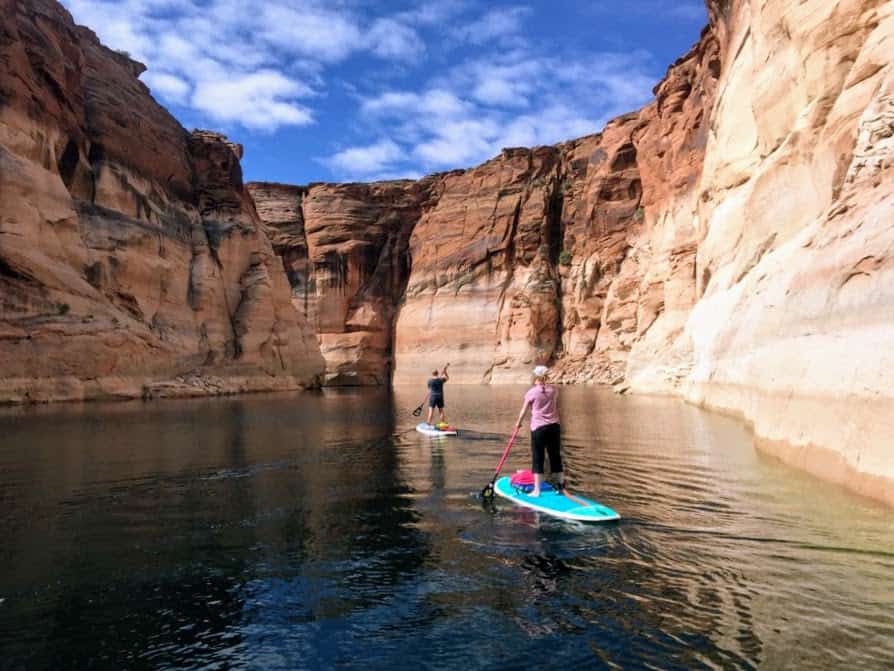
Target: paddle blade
(488, 491)
(417, 411)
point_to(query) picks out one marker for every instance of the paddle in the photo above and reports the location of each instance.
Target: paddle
(488, 491)
(418, 411)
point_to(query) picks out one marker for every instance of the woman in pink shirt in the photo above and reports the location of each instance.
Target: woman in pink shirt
(545, 434)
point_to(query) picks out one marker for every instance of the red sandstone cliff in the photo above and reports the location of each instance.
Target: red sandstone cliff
(132, 262)
(344, 250)
(539, 255)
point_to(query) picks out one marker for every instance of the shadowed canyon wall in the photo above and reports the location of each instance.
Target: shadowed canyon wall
(132, 262)
(344, 250)
(731, 242)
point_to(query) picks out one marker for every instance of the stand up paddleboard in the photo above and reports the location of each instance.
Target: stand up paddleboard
(553, 503)
(430, 430)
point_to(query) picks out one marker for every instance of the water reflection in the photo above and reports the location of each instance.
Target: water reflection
(320, 531)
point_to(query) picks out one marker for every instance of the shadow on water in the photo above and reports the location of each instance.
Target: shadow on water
(321, 531)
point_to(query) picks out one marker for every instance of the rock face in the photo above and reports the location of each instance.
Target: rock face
(132, 262)
(730, 242)
(795, 265)
(344, 250)
(546, 255)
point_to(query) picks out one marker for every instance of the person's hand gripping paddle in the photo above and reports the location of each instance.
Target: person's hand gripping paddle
(488, 491)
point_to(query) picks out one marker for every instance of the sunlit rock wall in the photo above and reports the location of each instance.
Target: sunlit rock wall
(795, 264)
(132, 262)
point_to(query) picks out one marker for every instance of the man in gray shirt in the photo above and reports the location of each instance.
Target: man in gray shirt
(436, 394)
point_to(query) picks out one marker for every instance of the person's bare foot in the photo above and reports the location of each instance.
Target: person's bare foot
(534, 493)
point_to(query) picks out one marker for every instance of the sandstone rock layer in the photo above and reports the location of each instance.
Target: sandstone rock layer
(344, 250)
(132, 262)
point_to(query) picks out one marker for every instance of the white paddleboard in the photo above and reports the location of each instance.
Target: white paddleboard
(430, 430)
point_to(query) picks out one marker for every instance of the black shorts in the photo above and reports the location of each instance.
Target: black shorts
(546, 440)
(436, 402)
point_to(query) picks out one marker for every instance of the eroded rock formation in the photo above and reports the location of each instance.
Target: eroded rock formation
(554, 254)
(795, 319)
(132, 262)
(344, 249)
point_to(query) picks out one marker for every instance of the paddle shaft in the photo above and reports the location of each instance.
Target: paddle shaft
(505, 455)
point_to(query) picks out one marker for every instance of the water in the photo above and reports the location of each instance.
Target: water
(318, 531)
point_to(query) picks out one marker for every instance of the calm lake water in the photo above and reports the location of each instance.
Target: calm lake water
(318, 531)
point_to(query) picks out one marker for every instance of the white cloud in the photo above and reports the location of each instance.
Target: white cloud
(169, 87)
(434, 103)
(504, 81)
(214, 57)
(550, 125)
(365, 160)
(391, 39)
(459, 143)
(434, 13)
(498, 91)
(265, 66)
(468, 114)
(308, 30)
(260, 100)
(496, 25)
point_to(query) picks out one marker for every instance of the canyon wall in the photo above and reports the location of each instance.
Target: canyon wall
(132, 261)
(344, 251)
(568, 255)
(795, 321)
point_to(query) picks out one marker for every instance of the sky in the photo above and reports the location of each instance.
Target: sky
(364, 90)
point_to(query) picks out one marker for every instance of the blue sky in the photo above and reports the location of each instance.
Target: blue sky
(344, 90)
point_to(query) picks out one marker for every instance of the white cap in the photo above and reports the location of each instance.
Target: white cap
(540, 371)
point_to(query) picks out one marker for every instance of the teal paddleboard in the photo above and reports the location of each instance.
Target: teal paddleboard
(552, 502)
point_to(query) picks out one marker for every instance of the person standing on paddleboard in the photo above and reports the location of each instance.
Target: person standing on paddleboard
(436, 394)
(542, 399)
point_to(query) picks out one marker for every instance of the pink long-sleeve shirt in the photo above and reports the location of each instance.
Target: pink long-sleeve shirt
(544, 408)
